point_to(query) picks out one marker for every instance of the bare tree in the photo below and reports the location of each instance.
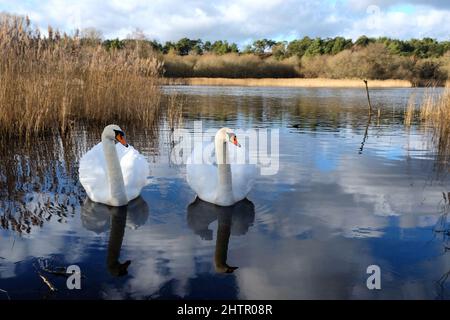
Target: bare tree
(137, 34)
(91, 35)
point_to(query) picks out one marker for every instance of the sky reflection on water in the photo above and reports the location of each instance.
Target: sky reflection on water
(310, 231)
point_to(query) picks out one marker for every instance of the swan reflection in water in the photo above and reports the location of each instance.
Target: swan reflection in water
(99, 218)
(233, 220)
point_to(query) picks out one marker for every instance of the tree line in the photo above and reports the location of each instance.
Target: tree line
(308, 47)
(421, 61)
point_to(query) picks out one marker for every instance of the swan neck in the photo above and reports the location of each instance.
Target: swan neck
(221, 149)
(114, 174)
(224, 191)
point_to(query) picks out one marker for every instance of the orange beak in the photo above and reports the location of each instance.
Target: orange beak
(122, 140)
(236, 143)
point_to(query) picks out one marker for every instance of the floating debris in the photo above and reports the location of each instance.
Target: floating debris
(59, 271)
(46, 266)
(47, 282)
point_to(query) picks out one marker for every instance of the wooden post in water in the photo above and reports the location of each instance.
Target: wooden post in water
(368, 97)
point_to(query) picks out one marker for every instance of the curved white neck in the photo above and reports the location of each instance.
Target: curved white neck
(224, 190)
(114, 174)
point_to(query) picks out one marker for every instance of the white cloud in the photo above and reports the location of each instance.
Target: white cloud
(239, 20)
(424, 22)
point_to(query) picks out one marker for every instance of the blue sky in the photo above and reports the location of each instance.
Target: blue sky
(242, 21)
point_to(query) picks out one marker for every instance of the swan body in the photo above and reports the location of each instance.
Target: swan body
(221, 182)
(113, 174)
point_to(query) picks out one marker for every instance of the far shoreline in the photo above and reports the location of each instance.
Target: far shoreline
(288, 82)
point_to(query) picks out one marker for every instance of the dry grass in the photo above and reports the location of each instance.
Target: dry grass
(288, 82)
(410, 110)
(435, 113)
(374, 62)
(47, 84)
(174, 112)
(371, 62)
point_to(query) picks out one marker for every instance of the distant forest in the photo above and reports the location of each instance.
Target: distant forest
(422, 61)
(420, 48)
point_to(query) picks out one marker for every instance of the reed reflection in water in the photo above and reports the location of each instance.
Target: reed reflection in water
(39, 179)
(310, 231)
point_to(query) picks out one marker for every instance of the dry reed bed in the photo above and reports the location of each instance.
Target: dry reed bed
(434, 113)
(47, 84)
(437, 113)
(174, 112)
(410, 110)
(288, 82)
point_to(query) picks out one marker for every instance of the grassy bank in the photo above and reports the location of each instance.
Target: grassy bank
(231, 65)
(288, 82)
(49, 83)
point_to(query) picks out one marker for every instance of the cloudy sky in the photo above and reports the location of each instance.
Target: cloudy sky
(242, 21)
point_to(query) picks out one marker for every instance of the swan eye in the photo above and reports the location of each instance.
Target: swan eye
(234, 141)
(120, 137)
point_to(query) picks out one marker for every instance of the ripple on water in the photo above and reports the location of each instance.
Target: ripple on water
(327, 204)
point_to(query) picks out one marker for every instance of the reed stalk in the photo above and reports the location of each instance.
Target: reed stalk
(49, 83)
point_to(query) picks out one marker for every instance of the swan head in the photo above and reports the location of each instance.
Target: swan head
(114, 133)
(227, 135)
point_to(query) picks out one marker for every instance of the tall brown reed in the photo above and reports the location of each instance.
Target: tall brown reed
(410, 110)
(174, 112)
(435, 113)
(49, 83)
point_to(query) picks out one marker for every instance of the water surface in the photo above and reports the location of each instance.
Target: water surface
(351, 191)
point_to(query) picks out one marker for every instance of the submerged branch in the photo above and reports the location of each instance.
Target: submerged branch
(47, 282)
(6, 292)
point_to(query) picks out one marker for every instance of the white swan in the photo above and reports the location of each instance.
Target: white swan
(222, 183)
(111, 173)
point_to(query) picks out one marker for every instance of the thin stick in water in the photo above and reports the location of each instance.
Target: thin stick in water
(366, 134)
(368, 96)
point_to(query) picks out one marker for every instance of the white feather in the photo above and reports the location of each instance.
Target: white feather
(92, 172)
(202, 176)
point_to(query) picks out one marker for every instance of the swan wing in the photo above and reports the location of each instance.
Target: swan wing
(92, 174)
(243, 173)
(135, 170)
(201, 173)
(93, 177)
(202, 178)
(243, 178)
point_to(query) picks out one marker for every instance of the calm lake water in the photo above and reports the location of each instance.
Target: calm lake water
(349, 193)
